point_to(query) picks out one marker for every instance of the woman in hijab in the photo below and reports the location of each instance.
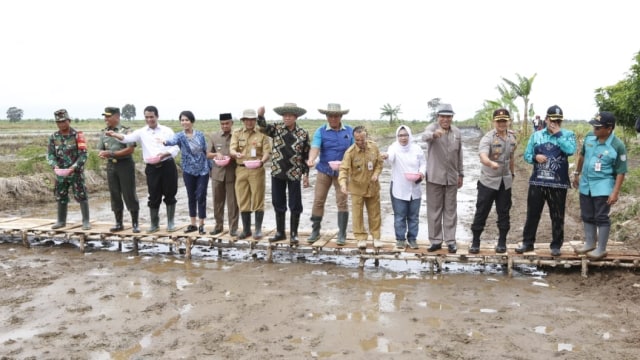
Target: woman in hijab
(408, 169)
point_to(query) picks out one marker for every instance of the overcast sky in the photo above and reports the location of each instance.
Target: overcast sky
(225, 56)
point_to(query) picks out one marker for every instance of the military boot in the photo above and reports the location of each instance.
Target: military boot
(134, 222)
(119, 226)
(501, 248)
(475, 242)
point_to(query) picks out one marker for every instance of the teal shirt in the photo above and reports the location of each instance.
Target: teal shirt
(612, 159)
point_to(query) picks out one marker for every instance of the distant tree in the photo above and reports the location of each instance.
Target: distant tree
(623, 98)
(128, 112)
(433, 105)
(14, 114)
(522, 89)
(390, 111)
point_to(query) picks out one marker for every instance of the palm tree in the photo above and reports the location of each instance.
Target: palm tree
(522, 89)
(390, 111)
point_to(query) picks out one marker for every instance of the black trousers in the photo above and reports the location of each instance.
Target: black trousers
(556, 199)
(484, 202)
(162, 181)
(279, 195)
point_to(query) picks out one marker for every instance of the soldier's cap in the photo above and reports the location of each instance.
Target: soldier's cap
(554, 113)
(501, 115)
(61, 115)
(225, 116)
(604, 118)
(110, 110)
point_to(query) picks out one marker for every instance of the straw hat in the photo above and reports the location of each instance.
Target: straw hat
(290, 108)
(333, 109)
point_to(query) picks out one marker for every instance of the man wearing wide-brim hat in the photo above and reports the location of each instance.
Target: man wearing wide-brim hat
(121, 174)
(289, 155)
(250, 144)
(67, 149)
(330, 141)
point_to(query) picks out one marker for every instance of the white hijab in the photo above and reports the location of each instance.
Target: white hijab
(396, 144)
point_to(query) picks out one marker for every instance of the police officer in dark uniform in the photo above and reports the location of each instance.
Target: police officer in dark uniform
(121, 173)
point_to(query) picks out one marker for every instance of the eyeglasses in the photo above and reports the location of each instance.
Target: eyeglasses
(403, 135)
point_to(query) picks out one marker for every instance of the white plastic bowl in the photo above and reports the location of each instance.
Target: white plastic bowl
(223, 162)
(63, 172)
(153, 160)
(335, 165)
(252, 164)
(411, 176)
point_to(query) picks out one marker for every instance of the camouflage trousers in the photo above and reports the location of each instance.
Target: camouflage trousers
(73, 181)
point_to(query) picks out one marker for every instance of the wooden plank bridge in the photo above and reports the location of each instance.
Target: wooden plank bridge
(29, 228)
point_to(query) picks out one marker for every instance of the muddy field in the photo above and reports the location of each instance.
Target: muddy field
(58, 303)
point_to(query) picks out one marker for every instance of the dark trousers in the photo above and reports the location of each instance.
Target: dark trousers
(162, 180)
(196, 194)
(595, 210)
(556, 199)
(484, 202)
(122, 185)
(279, 195)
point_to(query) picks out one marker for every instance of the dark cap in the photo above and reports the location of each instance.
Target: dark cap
(110, 110)
(501, 115)
(61, 115)
(554, 113)
(604, 118)
(225, 116)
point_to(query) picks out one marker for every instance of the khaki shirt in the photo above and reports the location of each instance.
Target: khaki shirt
(501, 151)
(220, 144)
(357, 168)
(243, 141)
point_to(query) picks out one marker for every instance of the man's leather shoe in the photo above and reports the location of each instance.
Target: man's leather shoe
(434, 247)
(555, 252)
(452, 248)
(524, 248)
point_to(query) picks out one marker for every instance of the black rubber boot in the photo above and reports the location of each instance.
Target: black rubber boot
(134, 222)
(171, 212)
(119, 226)
(475, 243)
(84, 210)
(295, 220)
(501, 248)
(245, 216)
(258, 233)
(343, 219)
(62, 216)
(279, 227)
(315, 229)
(155, 220)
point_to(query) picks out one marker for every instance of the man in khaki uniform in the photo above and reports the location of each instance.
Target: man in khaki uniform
(249, 144)
(223, 178)
(359, 171)
(121, 170)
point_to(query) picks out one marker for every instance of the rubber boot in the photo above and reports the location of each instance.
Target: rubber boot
(118, 227)
(315, 229)
(601, 251)
(84, 209)
(293, 228)
(501, 248)
(155, 220)
(475, 242)
(171, 212)
(343, 219)
(589, 238)
(258, 233)
(279, 227)
(62, 216)
(245, 216)
(134, 222)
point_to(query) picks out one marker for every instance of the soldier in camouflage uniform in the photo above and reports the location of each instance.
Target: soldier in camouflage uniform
(68, 150)
(121, 170)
